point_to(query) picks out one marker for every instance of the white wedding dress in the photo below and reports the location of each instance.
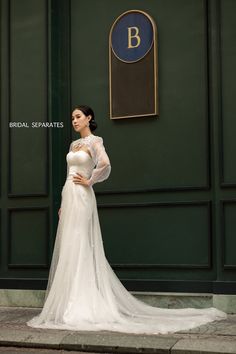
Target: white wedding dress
(83, 292)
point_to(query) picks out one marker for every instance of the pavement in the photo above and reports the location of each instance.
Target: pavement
(17, 337)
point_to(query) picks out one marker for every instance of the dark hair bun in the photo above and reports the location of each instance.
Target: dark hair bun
(88, 112)
(92, 125)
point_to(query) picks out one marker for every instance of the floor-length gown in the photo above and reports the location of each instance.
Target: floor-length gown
(83, 292)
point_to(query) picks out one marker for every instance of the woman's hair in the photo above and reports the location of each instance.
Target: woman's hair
(88, 112)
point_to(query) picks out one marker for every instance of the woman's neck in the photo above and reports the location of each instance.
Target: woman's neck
(85, 132)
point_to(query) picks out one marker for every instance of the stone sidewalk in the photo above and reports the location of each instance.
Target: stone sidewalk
(217, 337)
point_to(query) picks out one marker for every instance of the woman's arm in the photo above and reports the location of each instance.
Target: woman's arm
(103, 167)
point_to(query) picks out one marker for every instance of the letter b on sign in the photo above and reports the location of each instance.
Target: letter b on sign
(133, 34)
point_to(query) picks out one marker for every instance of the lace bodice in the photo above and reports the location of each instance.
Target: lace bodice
(93, 164)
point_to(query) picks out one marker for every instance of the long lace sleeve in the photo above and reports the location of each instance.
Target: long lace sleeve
(102, 163)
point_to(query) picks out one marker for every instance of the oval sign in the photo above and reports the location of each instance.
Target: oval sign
(132, 36)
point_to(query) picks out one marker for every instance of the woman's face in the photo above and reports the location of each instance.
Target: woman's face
(79, 120)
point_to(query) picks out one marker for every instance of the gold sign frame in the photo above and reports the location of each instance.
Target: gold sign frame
(155, 66)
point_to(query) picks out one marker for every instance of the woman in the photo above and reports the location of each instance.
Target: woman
(83, 292)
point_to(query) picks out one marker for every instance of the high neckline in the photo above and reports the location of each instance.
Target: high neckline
(86, 137)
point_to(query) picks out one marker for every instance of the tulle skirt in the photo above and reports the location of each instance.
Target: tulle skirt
(83, 292)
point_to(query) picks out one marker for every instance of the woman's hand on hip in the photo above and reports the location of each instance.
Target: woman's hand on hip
(79, 179)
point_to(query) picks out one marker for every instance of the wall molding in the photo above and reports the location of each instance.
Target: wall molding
(207, 204)
(46, 182)
(223, 183)
(223, 203)
(9, 243)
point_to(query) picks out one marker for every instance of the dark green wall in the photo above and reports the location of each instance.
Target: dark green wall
(25, 152)
(168, 209)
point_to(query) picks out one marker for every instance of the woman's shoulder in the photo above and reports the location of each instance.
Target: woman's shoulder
(97, 138)
(93, 139)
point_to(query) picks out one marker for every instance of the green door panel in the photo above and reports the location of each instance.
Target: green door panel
(156, 153)
(228, 59)
(26, 196)
(28, 238)
(157, 235)
(28, 96)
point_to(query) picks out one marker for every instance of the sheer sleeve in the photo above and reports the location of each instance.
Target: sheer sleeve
(101, 160)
